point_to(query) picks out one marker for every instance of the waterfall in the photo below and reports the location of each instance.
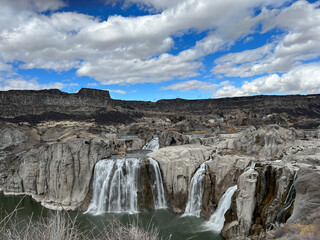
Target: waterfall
(217, 219)
(157, 186)
(115, 186)
(153, 145)
(102, 175)
(194, 203)
(288, 201)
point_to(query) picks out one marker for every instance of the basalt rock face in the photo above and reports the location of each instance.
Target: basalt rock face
(307, 201)
(260, 197)
(263, 164)
(222, 173)
(178, 164)
(46, 105)
(58, 175)
(88, 104)
(15, 103)
(295, 105)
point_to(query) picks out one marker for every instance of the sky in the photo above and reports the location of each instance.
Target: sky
(160, 49)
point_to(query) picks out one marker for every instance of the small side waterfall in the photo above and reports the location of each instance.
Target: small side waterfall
(153, 145)
(115, 186)
(194, 203)
(217, 219)
(288, 201)
(157, 186)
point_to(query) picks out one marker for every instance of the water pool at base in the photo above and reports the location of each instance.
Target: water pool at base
(168, 223)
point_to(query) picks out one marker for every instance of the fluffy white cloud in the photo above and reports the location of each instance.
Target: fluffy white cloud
(302, 42)
(21, 84)
(122, 49)
(129, 50)
(34, 5)
(301, 79)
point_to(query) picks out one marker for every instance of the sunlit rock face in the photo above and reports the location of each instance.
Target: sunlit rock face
(178, 164)
(57, 174)
(307, 201)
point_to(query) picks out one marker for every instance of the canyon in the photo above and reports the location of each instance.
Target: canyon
(254, 161)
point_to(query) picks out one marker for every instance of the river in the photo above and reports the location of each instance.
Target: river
(168, 223)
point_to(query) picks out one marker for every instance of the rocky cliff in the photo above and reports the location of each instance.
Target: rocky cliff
(276, 169)
(58, 175)
(92, 104)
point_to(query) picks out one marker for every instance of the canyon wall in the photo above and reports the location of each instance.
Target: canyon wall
(96, 104)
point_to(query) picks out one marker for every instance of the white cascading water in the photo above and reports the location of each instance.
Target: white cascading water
(115, 186)
(101, 182)
(194, 203)
(152, 145)
(217, 219)
(157, 186)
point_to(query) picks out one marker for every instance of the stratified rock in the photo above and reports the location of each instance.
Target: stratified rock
(59, 174)
(10, 137)
(178, 164)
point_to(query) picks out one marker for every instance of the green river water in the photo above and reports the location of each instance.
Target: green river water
(169, 223)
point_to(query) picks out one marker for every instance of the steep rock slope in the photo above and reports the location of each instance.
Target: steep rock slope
(58, 175)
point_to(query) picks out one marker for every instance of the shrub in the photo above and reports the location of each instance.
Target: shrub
(60, 226)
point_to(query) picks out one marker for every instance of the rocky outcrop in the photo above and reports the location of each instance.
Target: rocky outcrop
(270, 141)
(246, 201)
(222, 173)
(15, 102)
(260, 197)
(172, 138)
(9, 136)
(178, 164)
(58, 175)
(129, 144)
(307, 201)
(226, 170)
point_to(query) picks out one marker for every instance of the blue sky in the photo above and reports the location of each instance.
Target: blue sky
(156, 49)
